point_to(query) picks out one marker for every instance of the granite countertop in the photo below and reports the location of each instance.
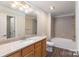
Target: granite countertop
(8, 48)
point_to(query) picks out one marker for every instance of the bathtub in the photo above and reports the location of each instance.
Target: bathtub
(62, 43)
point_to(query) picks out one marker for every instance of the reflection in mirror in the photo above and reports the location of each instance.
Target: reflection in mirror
(31, 24)
(16, 23)
(10, 26)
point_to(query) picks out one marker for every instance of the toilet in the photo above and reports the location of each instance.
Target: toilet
(50, 46)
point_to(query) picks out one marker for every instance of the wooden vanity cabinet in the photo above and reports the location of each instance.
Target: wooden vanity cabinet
(40, 48)
(31, 54)
(37, 49)
(44, 53)
(28, 51)
(16, 54)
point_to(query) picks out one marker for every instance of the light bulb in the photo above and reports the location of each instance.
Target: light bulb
(27, 6)
(52, 7)
(15, 2)
(24, 7)
(20, 8)
(13, 5)
(26, 11)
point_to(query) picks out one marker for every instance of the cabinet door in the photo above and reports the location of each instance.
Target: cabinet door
(31, 54)
(38, 49)
(38, 52)
(44, 47)
(16, 54)
(27, 50)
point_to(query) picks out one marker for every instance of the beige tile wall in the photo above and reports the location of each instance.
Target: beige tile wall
(64, 27)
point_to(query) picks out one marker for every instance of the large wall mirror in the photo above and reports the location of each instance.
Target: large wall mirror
(15, 22)
(10, 26)
(31, 24)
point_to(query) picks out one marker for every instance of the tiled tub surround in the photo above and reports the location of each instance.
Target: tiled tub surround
(8, 48)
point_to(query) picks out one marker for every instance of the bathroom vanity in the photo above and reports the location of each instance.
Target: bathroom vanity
(30, 47)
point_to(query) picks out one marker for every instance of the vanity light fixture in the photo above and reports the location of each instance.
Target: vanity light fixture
(52, 7)
(13, 5)
(27, 6)
(22, 6)
(15, 2)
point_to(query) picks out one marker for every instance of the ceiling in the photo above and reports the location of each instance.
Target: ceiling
(61, 7)
(8, 4)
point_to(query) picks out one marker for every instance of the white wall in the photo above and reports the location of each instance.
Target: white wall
(19, 20)
(2, 24)
(42, 23)
(49, 26)
(77, 25)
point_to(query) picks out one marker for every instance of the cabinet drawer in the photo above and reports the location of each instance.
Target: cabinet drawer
(38, 44)
(27, 50)
(16, 54)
